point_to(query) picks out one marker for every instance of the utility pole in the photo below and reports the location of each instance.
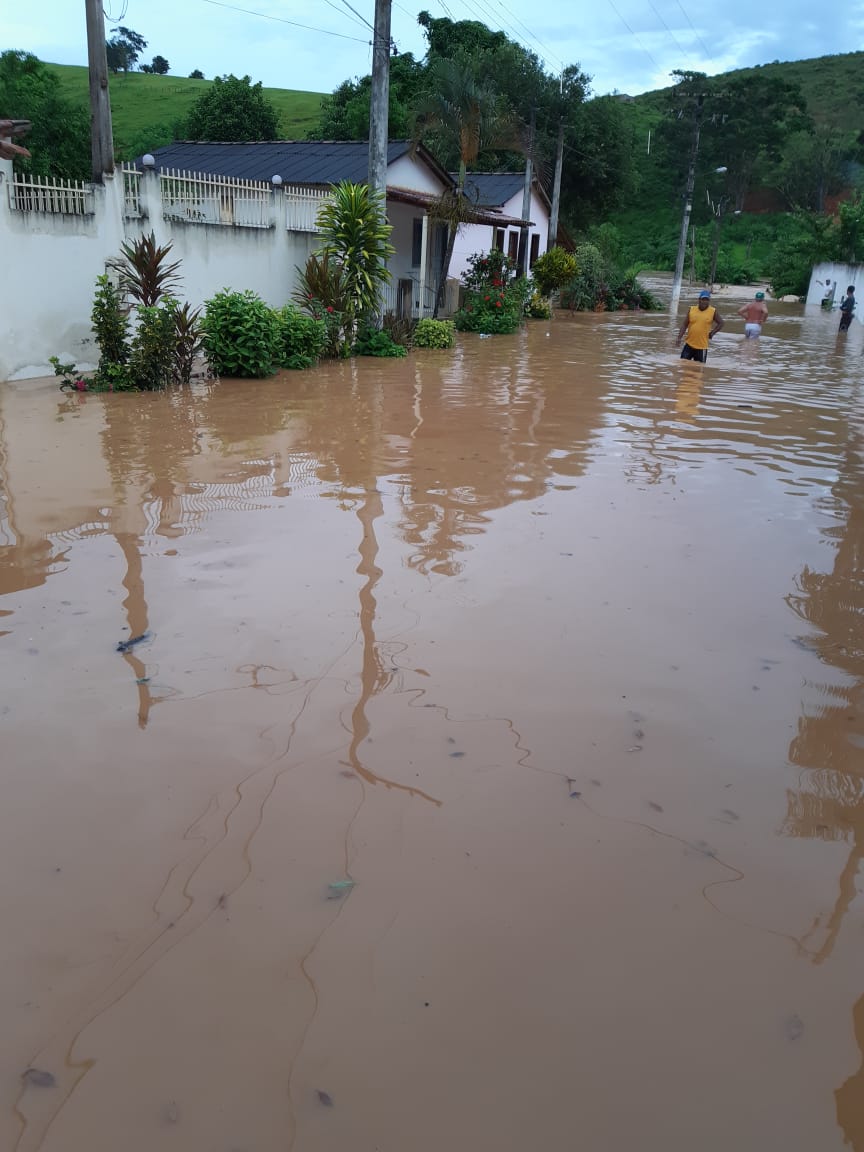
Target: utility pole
(379, 106)
(552, 238)
(101, 137)
(688, 206)
(522, 260)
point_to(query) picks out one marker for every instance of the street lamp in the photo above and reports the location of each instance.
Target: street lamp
(682, 239)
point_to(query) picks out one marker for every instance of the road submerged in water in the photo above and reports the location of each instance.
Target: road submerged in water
(486, 773)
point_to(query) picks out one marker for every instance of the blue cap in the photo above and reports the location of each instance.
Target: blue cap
(704, 294)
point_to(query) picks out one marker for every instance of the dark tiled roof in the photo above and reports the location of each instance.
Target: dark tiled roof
(494, 189)
(296, 161)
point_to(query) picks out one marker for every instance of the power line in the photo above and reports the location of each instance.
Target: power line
(482, 8)
(614, 8)
(116, 20)
(282, 20)
(536, 39)
(350, 8)
(708, 55)
(678, 44)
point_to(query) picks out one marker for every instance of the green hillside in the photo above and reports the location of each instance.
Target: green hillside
(146, 109)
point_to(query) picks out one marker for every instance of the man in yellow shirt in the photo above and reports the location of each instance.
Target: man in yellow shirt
(701, 323)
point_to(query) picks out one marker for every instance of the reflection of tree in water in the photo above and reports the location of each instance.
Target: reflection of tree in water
(829, 743)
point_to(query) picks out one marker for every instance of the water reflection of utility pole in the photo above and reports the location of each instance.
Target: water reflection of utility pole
(137, 617)
(374, 677)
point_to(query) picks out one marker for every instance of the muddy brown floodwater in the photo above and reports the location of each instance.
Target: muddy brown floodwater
(490, 776)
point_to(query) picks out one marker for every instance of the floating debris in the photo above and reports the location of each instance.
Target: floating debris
(794, 1027)
(338, 889)
(125, 645)
(572, 786)
(39, 1078)
(324, 1098)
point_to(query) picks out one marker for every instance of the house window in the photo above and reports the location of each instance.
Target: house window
(500, 233)
(513, 245)
(417, 242)
(535, 248)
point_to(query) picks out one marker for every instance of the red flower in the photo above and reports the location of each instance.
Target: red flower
(329, 308)
(80, 385)
(497, 303)
(485, 297)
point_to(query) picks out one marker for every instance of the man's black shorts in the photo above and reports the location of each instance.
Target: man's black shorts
(688, 353)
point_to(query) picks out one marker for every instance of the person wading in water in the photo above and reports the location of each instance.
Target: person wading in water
(701, 323)
(755, 314)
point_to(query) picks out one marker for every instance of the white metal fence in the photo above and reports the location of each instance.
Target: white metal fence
(302, 206)
(131, 191)
(203, 199)
(46, 194)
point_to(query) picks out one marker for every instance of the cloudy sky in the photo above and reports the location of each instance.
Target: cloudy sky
(628, 45)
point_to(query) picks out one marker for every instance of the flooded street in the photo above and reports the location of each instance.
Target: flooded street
(490, 776)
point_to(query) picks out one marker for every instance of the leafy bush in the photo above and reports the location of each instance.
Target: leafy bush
(241, 335)
(431, 333)
(553, 270)
(188, 342)
(110, 325)
(151, 360)
(494, 298)
(144, 273)
(538, 307)
(600, 286)
(323, 292)
(302, 338)
(373, 341)
(400, 329)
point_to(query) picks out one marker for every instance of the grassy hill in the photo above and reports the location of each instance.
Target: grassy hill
(145, 109)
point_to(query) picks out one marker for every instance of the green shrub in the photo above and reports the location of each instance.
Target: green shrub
(151, 359)
(373, 341)
(494, 298)
(400, 329)
(302, 339)
(538, 307)
(431, 333)
(241, 335)
(188, 341)
(323, 293)
(110, 325)
(553, 270)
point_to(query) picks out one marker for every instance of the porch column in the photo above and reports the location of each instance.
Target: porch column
(424, 262)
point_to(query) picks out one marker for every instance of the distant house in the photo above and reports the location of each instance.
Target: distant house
(501, 193)
(415, 181)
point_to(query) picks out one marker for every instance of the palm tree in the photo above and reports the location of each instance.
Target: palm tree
(466, 116)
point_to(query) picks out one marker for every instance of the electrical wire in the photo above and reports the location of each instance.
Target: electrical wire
(708, 55)
(359, 16)
(116, 20)
(678, 44)
(615, 9)
(482, 8)
(536, 39)
(283, 20)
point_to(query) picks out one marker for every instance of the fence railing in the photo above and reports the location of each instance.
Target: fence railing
(203, 199)
(131, 191)
(403, 297)
(56, 197)
(302, 206)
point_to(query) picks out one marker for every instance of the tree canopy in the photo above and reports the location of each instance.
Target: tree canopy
(233, 109)
(59, 141)
(124, 49)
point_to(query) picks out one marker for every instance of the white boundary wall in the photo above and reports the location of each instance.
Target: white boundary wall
(51, 261)
(840, 274)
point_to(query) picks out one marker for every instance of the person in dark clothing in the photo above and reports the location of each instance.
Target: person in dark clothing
(847, 307)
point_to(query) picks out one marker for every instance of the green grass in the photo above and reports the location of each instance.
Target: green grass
(146, 109)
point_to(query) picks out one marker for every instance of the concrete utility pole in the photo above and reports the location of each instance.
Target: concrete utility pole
(101, 136)
(522, 260)
(688, 207)
(552, 238)
(379, 108)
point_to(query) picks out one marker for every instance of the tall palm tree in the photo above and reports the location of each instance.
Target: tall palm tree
(466, 116)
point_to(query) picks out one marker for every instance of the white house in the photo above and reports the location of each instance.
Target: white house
(501, 193)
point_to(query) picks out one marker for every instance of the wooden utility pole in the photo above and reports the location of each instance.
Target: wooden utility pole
(522, 260)
(101, 137)
(688, 206)
(379, 106)
(552, 238)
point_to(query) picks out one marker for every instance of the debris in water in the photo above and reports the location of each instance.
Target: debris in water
(143, 680)
(656, 807)
(794, 1027)
(172, 1112)
(456, 755)
(572, 785)
(39, 1078)
(325, 1098)
(338, 889)
(125, 645)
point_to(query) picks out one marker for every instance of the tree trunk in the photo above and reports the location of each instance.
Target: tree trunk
(451, 242)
